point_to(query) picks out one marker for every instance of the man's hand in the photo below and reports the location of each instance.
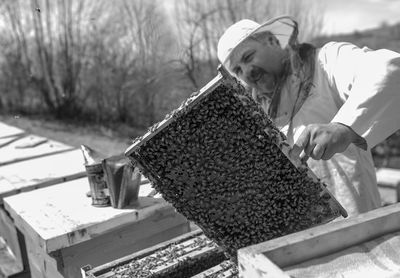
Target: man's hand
(322, 141)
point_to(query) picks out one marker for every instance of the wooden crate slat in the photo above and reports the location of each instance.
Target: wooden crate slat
(107, 268)
(60, 224)
(8, 130)
(276, 254)
(218, 271)
(40, 172)
(13, 152)
(10, 139)
(9, 264)
(185, 250)
(211, 271)
(375, 258)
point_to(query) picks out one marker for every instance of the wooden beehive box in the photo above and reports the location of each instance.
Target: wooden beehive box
(363, 246)
(180, 257)
(223, 164)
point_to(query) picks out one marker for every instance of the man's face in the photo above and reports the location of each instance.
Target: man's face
(258, 64)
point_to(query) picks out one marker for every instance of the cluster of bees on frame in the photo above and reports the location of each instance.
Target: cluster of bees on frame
(217, 165)
(175, 256)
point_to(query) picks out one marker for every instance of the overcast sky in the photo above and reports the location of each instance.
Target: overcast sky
(345, 16)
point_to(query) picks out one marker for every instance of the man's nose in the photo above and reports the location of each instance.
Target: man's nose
(251, 74)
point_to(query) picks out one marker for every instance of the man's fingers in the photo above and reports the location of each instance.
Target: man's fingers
(303, 156)
(299, 149)
(318, 151)
(328, 154)
(304, 138)
(308, 150)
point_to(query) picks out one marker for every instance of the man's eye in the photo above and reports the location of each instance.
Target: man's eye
(247, 58)
(237, 70)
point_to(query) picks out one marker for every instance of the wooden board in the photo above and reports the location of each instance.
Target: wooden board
(222, 270)
(9, 265)
(64, 231)
(29, 147)
(61, 215)
(132, 237)
(186, 244)
(375, 258)
(10, 257)
(40, 263)
(143, 253)
(10, 139)
(388, 177)
(267, 258)
(40, 172)
(389, 185)
(8, 131)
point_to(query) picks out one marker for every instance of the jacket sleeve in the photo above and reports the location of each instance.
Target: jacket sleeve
(368, 85)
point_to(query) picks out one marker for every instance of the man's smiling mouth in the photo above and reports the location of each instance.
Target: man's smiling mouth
(257, 74)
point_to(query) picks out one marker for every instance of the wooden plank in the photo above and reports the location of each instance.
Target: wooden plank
(388, 180)
(388, 195)
(375, 258)
(40, 264)
(146, 188)
(62, 215)
(121, 242)
(9, 234)
(40, 172)
(136, 236)
(18, 151)
(143, 253)
(8, 140)
(189, 249)
(222, 270)
(322, 240)
(9, 265)
(9, 131)
(388, 177)
(259, 266)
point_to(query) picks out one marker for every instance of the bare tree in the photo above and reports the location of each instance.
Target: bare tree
(146, 23)
(48, 36)
(128, 60)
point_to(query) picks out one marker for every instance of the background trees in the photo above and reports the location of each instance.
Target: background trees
(121, 61)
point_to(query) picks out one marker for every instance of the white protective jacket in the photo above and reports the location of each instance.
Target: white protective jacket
(361, 89)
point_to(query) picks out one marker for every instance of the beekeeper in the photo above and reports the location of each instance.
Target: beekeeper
(334, 103)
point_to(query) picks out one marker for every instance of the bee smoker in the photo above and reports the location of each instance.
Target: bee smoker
(94, 169)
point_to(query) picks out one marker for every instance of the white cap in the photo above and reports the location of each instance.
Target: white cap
(281, 27)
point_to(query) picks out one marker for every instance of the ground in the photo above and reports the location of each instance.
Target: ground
(99, 138)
